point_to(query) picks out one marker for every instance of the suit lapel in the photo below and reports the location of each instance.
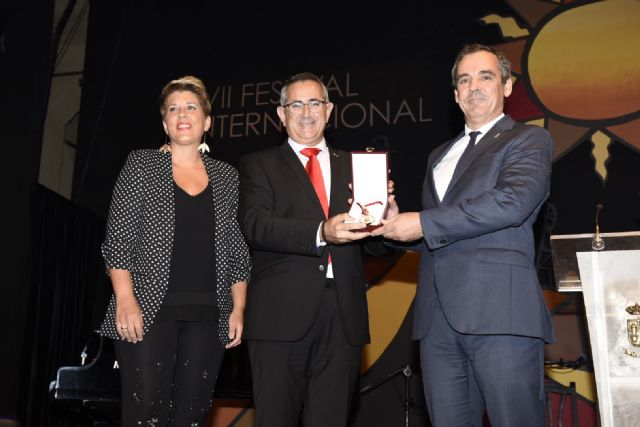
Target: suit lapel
(216, 195)
(497, 133)
(336, 177)
(219, 215)
(437, 155)
(164, 204)
(166, 181)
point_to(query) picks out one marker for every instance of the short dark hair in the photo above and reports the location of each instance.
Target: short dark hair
(503, 61)
(301, 77)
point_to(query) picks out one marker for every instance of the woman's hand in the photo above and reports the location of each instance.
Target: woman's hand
(129, 319)
(236, 319)
(129, 324)
(236, 324)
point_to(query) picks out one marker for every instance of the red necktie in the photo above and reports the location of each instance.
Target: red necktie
(315, 174)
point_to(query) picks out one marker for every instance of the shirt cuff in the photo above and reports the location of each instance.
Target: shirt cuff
(319, 241)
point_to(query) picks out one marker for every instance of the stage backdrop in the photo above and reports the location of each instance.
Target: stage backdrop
(388, 74)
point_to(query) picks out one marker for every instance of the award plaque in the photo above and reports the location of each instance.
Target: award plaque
(370, 171)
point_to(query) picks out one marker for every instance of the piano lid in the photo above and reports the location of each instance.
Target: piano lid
(97, 381)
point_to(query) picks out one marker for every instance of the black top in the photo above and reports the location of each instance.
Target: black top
(191, 294)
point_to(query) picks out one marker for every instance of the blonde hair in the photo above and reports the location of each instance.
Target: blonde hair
(187, 83)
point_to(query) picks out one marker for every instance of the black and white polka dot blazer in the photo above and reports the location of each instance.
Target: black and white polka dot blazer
(140, 229)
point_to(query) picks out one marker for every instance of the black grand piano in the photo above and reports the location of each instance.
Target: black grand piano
(90, 392)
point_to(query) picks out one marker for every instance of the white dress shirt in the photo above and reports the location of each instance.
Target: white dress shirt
(443, 171)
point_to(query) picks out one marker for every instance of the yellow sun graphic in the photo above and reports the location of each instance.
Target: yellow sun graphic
(576, 71)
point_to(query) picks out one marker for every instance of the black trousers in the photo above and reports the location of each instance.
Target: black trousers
(314, 377)
(168, 378)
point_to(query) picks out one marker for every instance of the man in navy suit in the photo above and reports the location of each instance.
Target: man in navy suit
(479, 312)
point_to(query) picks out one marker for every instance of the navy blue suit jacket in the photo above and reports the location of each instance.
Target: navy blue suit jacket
(478, 247)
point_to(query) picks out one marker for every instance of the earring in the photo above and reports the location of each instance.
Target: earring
(166, 148)
(203, 147)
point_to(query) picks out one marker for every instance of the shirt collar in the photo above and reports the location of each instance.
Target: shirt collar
(485, 128)
(322, 145)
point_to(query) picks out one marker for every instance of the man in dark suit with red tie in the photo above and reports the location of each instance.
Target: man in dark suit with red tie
(306, 315)
(479, 312)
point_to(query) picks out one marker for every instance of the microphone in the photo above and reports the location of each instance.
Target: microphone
(597, 244)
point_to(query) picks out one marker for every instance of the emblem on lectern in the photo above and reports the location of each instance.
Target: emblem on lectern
(633, 330)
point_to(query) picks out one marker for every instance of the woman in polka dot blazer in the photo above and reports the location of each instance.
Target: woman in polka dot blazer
(178, 265)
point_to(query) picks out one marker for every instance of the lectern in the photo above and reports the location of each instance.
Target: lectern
(609, 278)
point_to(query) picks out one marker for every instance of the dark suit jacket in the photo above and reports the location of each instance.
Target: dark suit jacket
(478, 249)
(279, 216)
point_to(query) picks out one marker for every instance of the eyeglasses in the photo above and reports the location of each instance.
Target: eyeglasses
(297, 107)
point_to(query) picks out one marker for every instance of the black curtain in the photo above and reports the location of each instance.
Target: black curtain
(25, 55)
(68, 292)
